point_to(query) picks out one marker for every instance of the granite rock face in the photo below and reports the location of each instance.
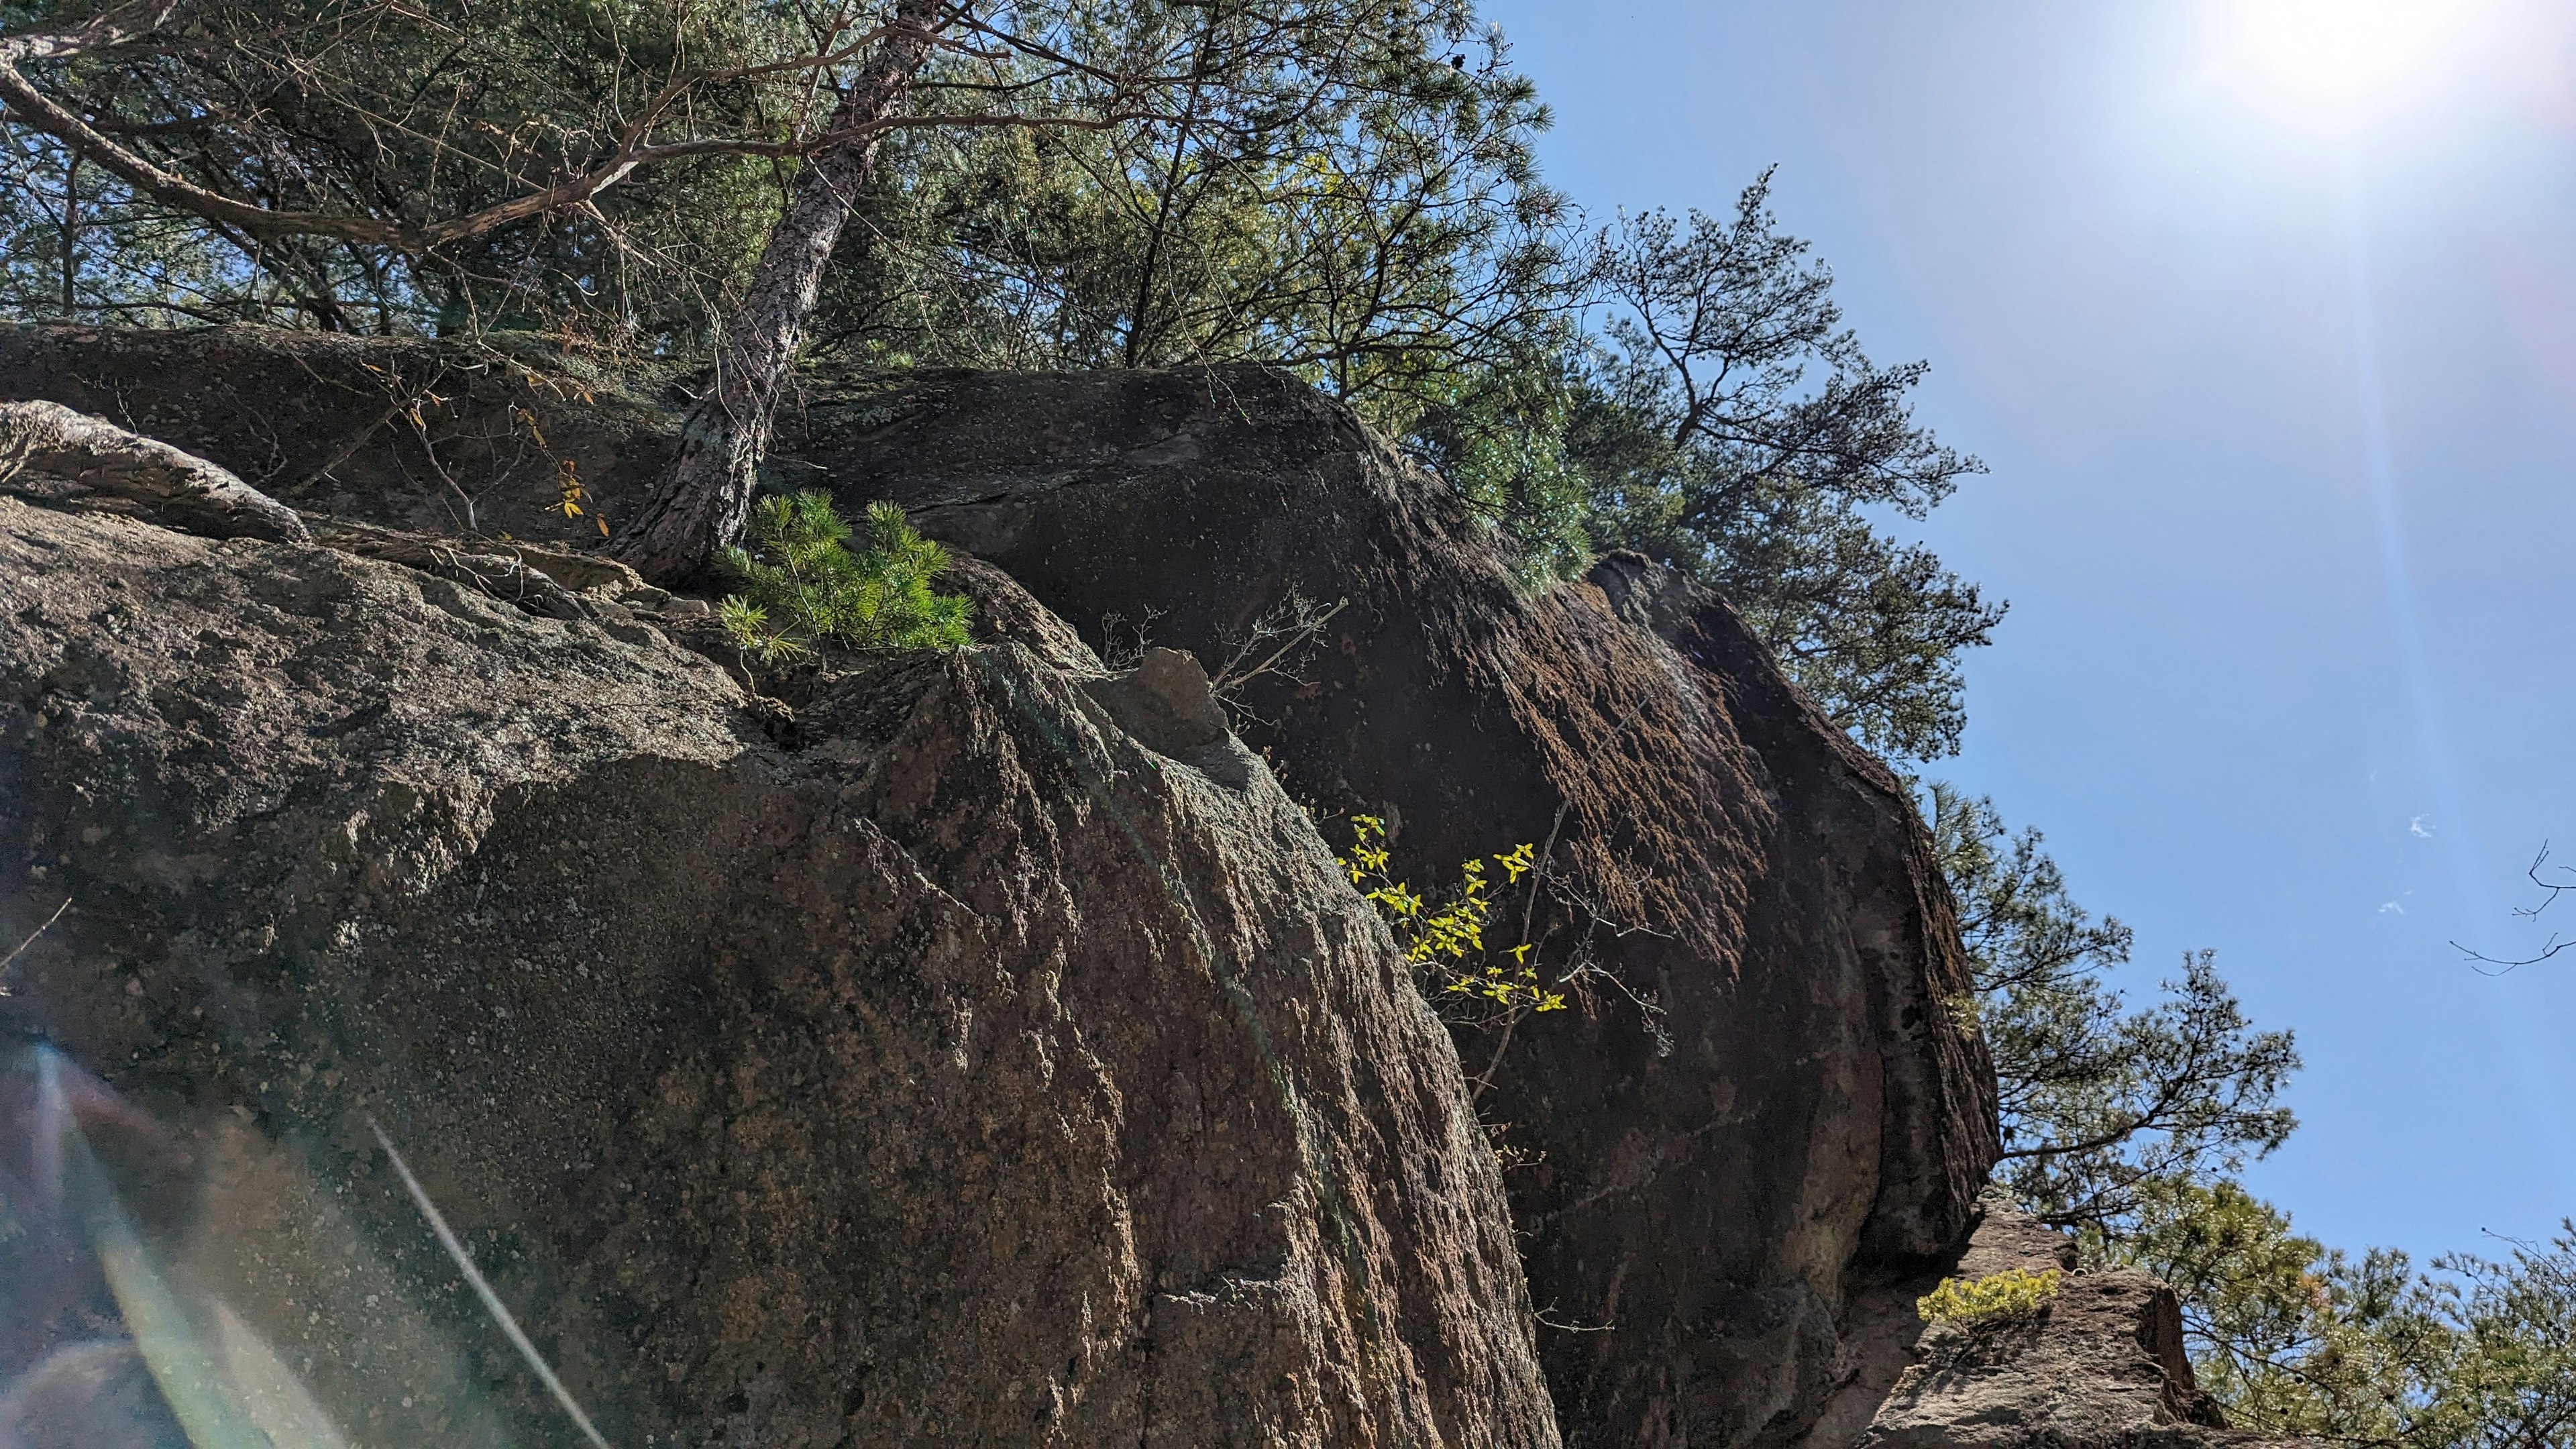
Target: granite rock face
(1700, 1186)
(975, 1050)
(398, 433)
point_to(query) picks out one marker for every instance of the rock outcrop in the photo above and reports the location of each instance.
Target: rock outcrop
(1702, 1186)
(2101, 1366)
(1764, 1109)
(441, 439)
(983, 1050)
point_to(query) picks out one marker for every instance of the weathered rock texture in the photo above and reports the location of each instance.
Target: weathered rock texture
(1706, 1199)
(986, 1054)
(2101, 1367)
(1695, 1203)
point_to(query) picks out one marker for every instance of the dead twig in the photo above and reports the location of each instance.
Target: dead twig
(1270, 648)
(11, 958)
(1123, 644)
(1273, 648)
(2479, 961)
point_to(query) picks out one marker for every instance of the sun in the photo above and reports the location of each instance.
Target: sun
(2338, 51)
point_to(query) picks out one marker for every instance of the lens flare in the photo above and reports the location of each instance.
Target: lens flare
(199, 1286)
(2339, 51)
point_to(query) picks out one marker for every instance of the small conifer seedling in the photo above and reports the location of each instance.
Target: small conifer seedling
(801, 585)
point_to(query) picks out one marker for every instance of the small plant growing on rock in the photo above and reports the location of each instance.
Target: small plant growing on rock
(1493, 989)
(1447, 943)
(801, 585)
(2010, 1296)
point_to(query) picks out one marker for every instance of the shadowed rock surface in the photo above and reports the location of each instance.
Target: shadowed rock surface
(47, 445)
(433, 437)
(943, 1064)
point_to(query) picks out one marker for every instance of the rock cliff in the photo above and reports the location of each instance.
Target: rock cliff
(1702, 1189)
(996, 1060)
(996, 1021)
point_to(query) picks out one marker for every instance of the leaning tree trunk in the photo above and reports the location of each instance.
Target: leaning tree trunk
(701, 499)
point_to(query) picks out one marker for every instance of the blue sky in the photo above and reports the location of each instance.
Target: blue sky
(2264, 317)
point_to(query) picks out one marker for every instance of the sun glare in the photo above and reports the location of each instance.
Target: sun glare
(2338, 51)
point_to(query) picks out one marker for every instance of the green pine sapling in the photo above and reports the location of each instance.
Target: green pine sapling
(801, 585)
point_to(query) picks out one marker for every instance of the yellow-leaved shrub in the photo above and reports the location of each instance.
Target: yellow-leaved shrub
(1446, 942)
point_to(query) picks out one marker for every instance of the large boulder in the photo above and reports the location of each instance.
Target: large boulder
(485, 437)
(977, 1049)
(1770, 1093)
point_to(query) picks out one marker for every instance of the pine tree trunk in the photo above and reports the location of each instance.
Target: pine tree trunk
(699, 503)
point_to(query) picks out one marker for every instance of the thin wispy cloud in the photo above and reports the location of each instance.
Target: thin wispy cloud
(2417, 828)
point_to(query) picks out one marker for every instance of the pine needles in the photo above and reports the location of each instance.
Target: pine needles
(2011, 1296)
(802, 586)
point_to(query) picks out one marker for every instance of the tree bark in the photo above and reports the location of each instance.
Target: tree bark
(71, 233)
(701, 500)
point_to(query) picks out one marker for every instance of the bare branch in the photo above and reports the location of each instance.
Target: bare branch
(2551, 891)
(117, 25)
(1270, 648)
(633, 148)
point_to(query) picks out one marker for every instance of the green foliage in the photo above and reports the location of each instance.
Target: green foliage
(2006, 1297)
(2102, 1105)
(2128, 1125)
(1446, 942)
(2300, 1340)
(1733, 427)
(802, 586)
(1397, 248)
(2508, 1379)
(1498, 435)
(74, 243)
(1348, 193)
(1718, 417)
(401, 110)
(1343, 189)
(2293, 1338)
